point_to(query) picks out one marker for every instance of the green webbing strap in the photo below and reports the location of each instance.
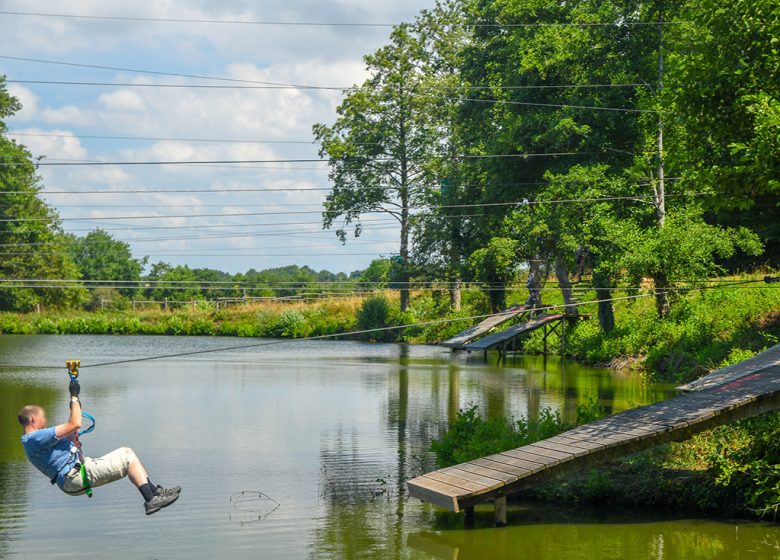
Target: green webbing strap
(85, 481)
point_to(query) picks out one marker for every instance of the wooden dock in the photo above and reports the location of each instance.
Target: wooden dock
(491, 479)
(501, 338)
(484, 327)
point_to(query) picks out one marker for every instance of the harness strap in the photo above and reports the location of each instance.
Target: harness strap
(85, 481)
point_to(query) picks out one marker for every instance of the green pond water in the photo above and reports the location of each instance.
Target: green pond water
(320, 436)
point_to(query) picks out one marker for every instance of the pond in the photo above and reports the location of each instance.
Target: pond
(300, 450)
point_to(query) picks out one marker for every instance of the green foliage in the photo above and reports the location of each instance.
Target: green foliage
(728, 129)
(107, 299)
(686, 248)
(30, 228)
(99, 256)
(377, 275)
(496, 264)
(705, 329)
(471, 436)
(375, 313)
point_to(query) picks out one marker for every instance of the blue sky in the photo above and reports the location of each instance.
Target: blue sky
(330, 56)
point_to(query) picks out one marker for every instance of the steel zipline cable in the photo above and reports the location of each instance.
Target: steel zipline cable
(344, 334)
(317, 337)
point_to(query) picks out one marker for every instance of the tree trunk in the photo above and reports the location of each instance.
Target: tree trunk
(404, 198)
(606, 308)
(404, 277)
(455, 293)
(535, 267)
(497, 295)
(661, 281)
(662, 304)
(562, 274)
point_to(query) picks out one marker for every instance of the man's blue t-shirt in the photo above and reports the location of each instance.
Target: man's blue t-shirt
(49, 454)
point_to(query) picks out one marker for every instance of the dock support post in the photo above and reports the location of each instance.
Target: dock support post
(544, 338)
(468, 520)
(499, 511)
(563, 334)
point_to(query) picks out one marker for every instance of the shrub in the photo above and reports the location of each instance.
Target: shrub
(471, 436)
(375, 314)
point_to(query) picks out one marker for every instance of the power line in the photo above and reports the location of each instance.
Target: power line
(313, 87)
(164, 139)
(563, 106)
(301, 160)
(730, 282)
(137, 71)
(161, 190)
(286, 84)
(616, 24)
(310, 255)
(519, 203)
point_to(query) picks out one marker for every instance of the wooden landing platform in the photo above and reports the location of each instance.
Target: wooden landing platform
(496, 339)
(484, 327)
(494, 477)
(769, 357)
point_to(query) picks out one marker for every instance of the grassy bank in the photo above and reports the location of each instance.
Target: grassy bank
(706, 329)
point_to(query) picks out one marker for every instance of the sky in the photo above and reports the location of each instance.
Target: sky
(244, 229)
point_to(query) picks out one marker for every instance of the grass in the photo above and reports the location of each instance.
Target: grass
(706, 329)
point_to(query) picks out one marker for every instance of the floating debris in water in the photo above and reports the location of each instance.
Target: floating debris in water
(250, 507)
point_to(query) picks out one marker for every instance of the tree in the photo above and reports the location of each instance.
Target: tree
(379, 143)
(495, 265)
(685, 249)
(534, 96)
(30, 232)
(99, 256)
(377, 275)
(173, 283)
(441, 232)
(723, 88)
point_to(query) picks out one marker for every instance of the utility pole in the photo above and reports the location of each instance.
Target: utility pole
(660, 190)
(661, 280)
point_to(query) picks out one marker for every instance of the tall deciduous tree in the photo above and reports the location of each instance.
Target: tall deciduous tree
(99, 256)
(379, 143)
(441, 232)
(29, 231)
(723, 88)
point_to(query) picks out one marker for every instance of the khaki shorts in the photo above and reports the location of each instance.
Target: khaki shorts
(108, 468)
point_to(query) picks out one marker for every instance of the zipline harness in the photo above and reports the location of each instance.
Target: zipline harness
(73, 371)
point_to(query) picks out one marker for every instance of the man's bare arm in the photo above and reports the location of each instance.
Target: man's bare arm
(73, 424)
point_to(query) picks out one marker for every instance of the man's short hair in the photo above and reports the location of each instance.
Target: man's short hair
(26, 414)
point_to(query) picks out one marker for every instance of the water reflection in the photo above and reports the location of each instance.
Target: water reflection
(330, 430)
(14, 394)
(618, 539)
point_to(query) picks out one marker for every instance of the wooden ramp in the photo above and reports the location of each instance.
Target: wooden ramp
(770, 357)
(494, 477)
(501, 337)
(484, 327)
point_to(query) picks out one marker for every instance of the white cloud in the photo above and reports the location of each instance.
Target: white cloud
(316, 56)
(54, 144)
(68, 114)
(122, 100)
(28, 100)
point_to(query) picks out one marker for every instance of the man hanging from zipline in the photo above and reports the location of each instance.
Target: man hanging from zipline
(56, 452)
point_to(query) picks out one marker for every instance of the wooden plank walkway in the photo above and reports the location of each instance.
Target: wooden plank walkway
(495, 339)
(484, 327)
(494, 477)
(727, 374)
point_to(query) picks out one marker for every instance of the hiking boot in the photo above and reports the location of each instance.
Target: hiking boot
(173, 490)
(159, 501)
